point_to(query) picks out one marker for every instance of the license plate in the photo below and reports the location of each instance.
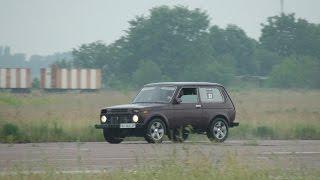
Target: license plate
(127, 125)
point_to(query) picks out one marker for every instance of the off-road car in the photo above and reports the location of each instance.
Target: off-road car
(173, 109)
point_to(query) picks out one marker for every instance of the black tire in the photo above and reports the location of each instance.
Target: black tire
(180, 135)
(111, 137)
(218, 130)
(155, 131)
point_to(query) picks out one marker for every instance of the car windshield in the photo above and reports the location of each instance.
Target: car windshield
(155, 94)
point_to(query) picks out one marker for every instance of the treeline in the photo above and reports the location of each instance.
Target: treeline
(35, 62)
(179, 44)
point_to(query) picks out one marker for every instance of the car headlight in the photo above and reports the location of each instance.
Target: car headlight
(135, 118)
(103, 119)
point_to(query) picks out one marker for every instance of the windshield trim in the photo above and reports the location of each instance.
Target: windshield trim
(156, 102)
(169, 102)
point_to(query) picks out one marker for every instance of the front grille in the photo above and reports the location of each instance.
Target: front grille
(118, 118)
(103, 111)
(119, 110)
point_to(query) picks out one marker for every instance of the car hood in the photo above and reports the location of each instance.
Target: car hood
(136, 106)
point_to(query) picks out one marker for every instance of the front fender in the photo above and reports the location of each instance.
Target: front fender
(156, 115)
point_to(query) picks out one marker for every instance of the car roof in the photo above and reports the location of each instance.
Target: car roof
(184, 84)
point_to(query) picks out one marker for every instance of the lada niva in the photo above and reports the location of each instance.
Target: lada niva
(172, 109)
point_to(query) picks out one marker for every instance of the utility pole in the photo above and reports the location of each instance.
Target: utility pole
(281, 6)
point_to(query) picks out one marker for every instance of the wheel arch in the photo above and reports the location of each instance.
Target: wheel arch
(221, 116)
(159, 116)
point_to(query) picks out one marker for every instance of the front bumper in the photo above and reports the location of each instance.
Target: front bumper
(105, 126)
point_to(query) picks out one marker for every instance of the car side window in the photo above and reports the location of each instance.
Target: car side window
(188, 95)
(211, 95)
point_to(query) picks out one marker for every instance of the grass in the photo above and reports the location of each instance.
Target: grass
(262, 113)
(278, 114)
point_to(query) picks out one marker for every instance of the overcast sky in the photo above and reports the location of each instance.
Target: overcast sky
(48, 26)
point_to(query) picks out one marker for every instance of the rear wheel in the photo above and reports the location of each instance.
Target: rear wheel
(111, 136)
(218, 130)
(155, 131)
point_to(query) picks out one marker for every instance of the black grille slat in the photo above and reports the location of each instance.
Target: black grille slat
(117, 119)
(119, 110)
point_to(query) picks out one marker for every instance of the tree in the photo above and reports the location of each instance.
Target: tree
(36, 83)
(178, 44)
(93, 55)
(170, 37)
(147, 72)
(286, 35)
(107, 58)
(293, 72)
(63, 63)
(11, 60)
(220, 70)
(220, 73)
(266, 60)
(234, 41)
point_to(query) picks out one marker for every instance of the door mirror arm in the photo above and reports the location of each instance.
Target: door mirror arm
(178, 100)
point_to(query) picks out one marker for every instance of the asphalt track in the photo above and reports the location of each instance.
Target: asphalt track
(98, 156)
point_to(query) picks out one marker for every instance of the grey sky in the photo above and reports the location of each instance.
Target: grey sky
(48, 26)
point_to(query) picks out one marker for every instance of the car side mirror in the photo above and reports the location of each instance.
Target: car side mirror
(178, 100)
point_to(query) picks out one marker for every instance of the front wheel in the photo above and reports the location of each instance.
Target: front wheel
(155, 131)
(111, 137)
(218, 130)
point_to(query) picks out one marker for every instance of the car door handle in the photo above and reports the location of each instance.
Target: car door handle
(198, 105)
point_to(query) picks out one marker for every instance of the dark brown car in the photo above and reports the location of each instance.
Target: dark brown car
(173, 109)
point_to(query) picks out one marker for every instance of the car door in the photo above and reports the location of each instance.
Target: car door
(188, 111)
(213, 103)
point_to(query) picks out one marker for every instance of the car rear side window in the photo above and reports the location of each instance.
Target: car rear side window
(211, 95)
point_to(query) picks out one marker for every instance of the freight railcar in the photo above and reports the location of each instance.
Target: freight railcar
(15, 79)
(60, 79)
